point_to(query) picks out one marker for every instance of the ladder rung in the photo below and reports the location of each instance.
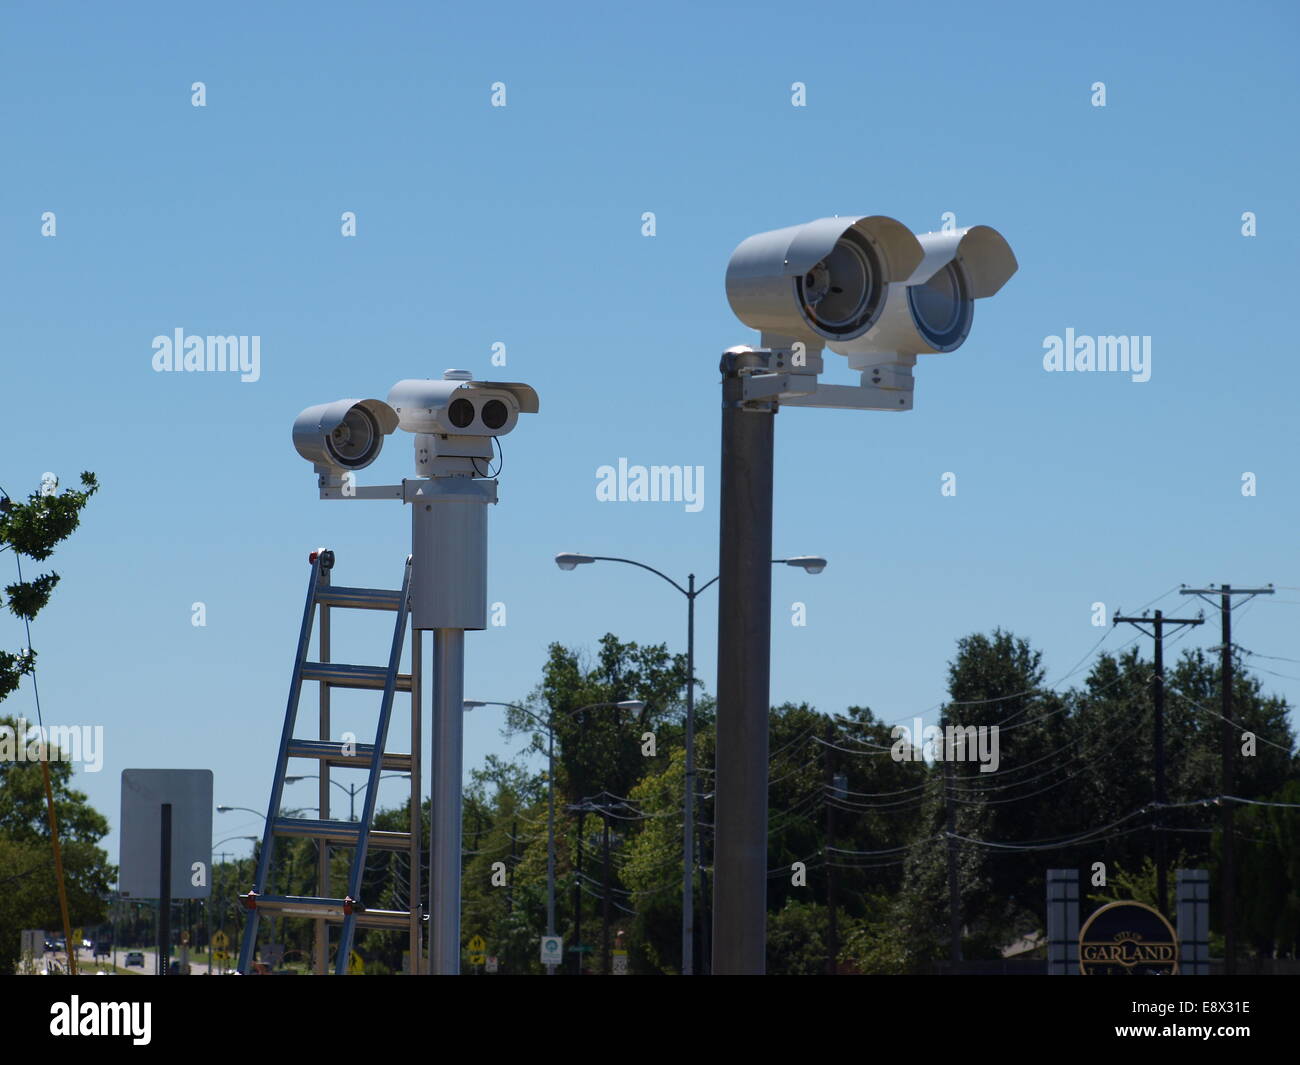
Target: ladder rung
(331, 910)
(338, 675)
(331, 752)
(344, 832)
(359, 598)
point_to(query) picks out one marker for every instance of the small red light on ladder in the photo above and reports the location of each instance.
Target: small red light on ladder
(349, 903)
(249, 900)
(313, 556)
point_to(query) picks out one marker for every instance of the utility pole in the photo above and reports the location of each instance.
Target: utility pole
(688, 807)
(1225, 593)
(510, 875)
(832, 783)
(606, 966)
(954, 896)
(577, 897)
(1158, 697)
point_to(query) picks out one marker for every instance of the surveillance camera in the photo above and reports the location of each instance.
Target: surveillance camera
(820, 282)
(460, 406)
(932, 311)
(344, 435)
(456, 419)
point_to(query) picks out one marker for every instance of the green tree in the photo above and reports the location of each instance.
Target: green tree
(28, 892)
(35, 528)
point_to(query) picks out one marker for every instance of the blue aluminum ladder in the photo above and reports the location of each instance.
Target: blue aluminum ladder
(359, 835)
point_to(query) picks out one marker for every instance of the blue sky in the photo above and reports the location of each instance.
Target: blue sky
(522, 225)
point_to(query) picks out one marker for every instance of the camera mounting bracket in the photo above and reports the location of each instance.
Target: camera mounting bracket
(789, 375)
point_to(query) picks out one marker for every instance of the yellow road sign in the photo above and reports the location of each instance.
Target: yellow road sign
(356, 965)
(220, 940)
(477, 950)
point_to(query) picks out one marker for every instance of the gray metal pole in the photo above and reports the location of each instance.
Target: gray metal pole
(688, 806)
(550, 836)
(415, 892)
(164, 895)
(445, 817)
(744, 653)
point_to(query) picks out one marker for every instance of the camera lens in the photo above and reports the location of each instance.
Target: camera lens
(460, 413)
(355, 440)
(841, 294)
(941, 307)
(495, 414)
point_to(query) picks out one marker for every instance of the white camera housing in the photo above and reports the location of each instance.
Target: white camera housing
(347, 434)
(933, 310)
(455, 419)
(460, 406)
(821, 282)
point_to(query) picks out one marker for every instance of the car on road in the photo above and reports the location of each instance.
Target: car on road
(135, 957)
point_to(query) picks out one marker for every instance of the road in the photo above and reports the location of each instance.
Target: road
(85, 962)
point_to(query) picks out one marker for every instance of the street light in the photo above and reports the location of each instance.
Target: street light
(548, 723)
(569, 560)
(286, 812)
(219, 842)
(227, 809)
(869, 290)
(349, 789)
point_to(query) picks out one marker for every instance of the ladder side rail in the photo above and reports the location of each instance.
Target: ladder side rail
(376, 768)
(322, 945)
(281, 761)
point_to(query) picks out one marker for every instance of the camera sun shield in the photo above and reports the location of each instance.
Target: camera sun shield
(344, 435)
(459, 407)
(822, 281)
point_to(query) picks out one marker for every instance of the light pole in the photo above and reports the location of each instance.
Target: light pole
(207, 905)
(548, 723)
(571, 560)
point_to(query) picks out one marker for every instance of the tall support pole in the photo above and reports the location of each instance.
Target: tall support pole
(550, 834)
(605, 961)
(954, 892)
(415, 893)
(1158, 623)
(448, 596)
(744, 651)
(833, 937)
(1229, 870)
(445, 830)
(164, 893)
(1225, 592)
(1162, 859)
(577, 897)
(688, 804)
